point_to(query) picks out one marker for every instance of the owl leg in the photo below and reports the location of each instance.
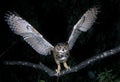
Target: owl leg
(66, 66)
(58, 68)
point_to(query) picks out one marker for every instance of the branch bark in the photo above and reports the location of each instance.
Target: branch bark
(75, 68)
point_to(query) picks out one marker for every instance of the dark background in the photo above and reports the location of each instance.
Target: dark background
(54, 19)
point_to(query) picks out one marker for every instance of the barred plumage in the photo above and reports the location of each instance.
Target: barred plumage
(21, 27)
(84, 24)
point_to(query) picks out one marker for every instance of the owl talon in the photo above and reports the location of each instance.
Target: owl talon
(66, 66)
(57, 71)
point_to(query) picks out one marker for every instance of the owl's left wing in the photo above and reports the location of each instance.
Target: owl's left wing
(84, 24)
(21, 27)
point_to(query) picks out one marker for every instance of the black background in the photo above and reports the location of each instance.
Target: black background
(54, 19)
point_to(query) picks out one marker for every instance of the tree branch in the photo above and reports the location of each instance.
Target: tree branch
(75, 68)
(91, 60)
(39, 66)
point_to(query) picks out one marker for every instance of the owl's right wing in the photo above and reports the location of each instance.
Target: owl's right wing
(84, 24)
(21, 27)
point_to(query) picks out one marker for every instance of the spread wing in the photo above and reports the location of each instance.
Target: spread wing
(82, 25)
(21, 27)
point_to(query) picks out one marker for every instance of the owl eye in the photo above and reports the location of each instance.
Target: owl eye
(63, 49)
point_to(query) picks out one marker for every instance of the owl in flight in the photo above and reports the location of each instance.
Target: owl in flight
(61, 51)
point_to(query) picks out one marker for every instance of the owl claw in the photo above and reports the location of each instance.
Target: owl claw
(57, 71)
(68, 68)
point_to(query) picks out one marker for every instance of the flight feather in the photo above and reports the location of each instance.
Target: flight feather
(21, 27)
(84, 24)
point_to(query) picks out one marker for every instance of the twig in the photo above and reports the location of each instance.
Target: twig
(75, 68)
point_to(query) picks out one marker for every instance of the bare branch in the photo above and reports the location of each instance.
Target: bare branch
(39, 66)
(76, 68)
(91, 60)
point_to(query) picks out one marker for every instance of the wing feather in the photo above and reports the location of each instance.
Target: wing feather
(21, 27)
(84, 24)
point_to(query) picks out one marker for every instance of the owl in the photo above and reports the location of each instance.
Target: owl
(61, 51)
